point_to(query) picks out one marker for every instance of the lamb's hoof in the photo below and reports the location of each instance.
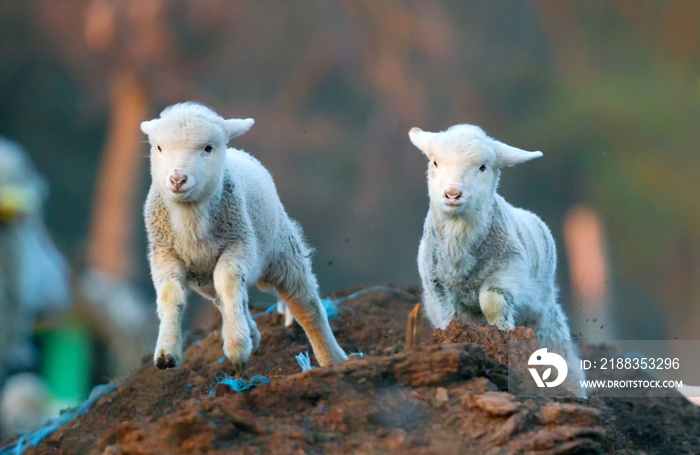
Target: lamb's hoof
(239, 357)
(255, 338)
(165, 361)
(334, 358)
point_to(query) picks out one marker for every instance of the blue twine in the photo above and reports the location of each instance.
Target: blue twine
(269, 310)
(52, 424)
(331, 306)
(356, 354)
(357, 294)
(19, 449)
(304, 361)
(241, 385)
(212, 391)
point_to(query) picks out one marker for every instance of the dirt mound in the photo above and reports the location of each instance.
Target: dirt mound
(494, 342)
(447, 395)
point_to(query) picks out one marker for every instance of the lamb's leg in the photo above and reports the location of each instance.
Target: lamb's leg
(497, 305)
(171, 300)
(238, 331)
(282, 307)
(300, 291)
(288, 317)
(436, 308)
(254, 333)
(311, 315)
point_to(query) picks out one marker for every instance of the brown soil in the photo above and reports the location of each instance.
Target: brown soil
(448, 395)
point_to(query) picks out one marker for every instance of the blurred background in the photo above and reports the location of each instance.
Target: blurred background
(609, 91)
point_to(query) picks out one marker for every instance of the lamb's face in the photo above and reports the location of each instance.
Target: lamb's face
(461, 176)
(187, 159)
(463, 167)
(188, 151)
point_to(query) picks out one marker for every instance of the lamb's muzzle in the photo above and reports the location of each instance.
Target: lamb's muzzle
(453, 195)
(177, 180)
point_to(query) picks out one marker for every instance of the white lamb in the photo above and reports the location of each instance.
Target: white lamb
(216, 225)
(480, 258)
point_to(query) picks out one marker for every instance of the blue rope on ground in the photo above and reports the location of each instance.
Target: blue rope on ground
(304, 361)
(356, 354)
(241, 385)
(35, 437)
(269, 310)
(331, 306)
(357, 294)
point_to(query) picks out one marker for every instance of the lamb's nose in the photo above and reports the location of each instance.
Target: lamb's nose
(453, 194)
(178, 180)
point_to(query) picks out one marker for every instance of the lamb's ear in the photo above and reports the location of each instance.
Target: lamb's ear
(509, 156)
(237, 126)
(149, 126)
(421, 139)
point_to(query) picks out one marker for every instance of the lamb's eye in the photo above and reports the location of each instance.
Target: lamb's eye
(482, 168)
(434, 163)
(159, 149)
(208, 148)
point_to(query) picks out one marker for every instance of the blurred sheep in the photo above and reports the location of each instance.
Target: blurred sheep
(34, 284)
(34, 277)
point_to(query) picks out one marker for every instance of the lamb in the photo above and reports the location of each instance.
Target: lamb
(481, 259)
(216, 225)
